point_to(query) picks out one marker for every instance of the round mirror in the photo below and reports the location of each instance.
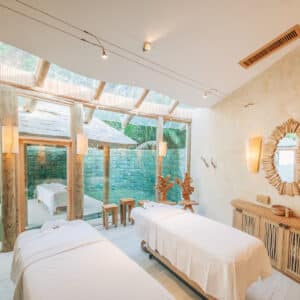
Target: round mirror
(285, 157)
(281, 160)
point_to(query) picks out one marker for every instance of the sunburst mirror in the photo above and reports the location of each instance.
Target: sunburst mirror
(281, 158)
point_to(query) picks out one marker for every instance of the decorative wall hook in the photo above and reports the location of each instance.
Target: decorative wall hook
(205, 162)
(214, 165)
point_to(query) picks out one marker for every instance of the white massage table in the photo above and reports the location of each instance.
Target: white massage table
(217, 260)
(53, 195)
(72, 261)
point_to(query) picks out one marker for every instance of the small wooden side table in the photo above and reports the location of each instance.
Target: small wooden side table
(124, 203)
(188, 204)
(110, 208)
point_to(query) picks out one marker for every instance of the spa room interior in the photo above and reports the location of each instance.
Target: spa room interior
(150, 150)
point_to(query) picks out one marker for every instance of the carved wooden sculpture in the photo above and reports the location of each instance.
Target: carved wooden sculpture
(186, 187)
(163, 186)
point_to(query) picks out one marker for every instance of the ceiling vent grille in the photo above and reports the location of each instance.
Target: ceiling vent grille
(279, 42)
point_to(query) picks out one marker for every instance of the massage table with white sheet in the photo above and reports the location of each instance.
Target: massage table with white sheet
(72, 261)
(217, 260)
(53, 195)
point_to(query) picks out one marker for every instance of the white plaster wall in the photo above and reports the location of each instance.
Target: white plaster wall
(221, 133)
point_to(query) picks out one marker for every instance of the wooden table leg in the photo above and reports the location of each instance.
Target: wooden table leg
(121, 213)
(115, 217)
(129, 213)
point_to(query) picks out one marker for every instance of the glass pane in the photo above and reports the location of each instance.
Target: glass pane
(17, 58)
(175, 162)
(93, 184)
(46, 184)
(46, 119)
(123, 90)
(111, 118)
(132, 171)
(158, 98)
(60, 74)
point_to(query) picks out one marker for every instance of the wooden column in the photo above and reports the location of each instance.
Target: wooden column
(159, 159)
(9, 117)
(75, 208)
(106, 155)
(188, 147)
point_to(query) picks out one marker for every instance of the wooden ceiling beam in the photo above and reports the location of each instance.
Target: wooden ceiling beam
(40, 75)
(98, 93)
(137, 105)
(173, 106)
(41, 72)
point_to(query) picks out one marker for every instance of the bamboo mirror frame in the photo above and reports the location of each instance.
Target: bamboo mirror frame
(270, 148)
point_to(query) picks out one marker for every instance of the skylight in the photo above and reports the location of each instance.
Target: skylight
(17, 58)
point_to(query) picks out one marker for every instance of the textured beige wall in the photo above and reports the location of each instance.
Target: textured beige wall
(221, 133)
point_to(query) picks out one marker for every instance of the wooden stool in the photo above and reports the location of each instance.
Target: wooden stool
(110, 208)
(130, 202)
(188, 204)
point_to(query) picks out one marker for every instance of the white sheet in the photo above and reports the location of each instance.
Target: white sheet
(223, 261)
(74, 262)
(53, 195)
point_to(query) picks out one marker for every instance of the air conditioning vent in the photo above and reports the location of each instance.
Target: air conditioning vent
(279, 42)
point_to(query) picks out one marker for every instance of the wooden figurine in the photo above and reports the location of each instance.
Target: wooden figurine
(186, 187)
(163, 186)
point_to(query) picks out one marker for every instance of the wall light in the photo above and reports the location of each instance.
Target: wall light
(253, 153)
(82, 144)
(146, 46)
(163, 148)
(10, 139)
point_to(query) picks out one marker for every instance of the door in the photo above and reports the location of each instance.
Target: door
(45, 181)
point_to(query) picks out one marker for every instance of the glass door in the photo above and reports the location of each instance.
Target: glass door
(45, 183)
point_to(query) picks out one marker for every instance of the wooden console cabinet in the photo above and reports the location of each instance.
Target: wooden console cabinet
(280, 235)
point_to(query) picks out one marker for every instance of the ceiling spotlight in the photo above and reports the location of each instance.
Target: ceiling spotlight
(104, 54)
(147, 46)
(205, 94)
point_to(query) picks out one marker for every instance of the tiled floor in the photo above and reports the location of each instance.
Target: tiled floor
(277, 287)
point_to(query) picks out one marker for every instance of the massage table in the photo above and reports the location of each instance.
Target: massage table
(218, 261)
(53, 195)
(72, 261)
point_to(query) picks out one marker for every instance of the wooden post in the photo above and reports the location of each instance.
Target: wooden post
(159, 159)
(75, 209)
(106, 154)
(188, 148)
(9, 117)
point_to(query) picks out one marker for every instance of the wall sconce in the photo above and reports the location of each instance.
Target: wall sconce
(163, 148)
(82, 144)
(10, 139)
(253, 154)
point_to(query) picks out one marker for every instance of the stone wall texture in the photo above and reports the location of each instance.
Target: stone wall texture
(132, 172)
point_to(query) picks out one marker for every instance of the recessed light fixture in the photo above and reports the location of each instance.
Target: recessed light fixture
(104, 54)
(205, 94)
(147, 46)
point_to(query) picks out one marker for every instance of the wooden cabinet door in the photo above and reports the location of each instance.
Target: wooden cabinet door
(250, 223)
(237, 219)
(291, 256)
(272, 235)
